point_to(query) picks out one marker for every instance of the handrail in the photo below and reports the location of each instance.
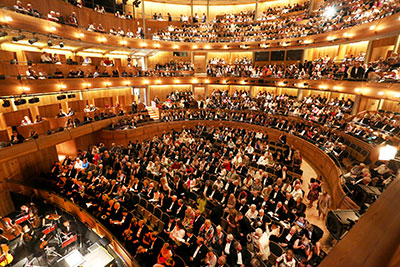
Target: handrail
(77, 211)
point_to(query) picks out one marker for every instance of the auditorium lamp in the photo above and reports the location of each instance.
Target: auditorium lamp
(50, 42)
(2, 34)
(61, 44)
(6, 103)
(18, 38)
(33, 100)
(21, 101)
(387, 152)
(33, 40)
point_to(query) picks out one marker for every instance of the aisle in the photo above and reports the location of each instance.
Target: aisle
(312, 213)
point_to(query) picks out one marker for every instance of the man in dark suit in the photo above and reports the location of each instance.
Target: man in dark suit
(198, 221)
(181, 209)
(198, 254)
(244, 228)
(240, 257)
(357, 72)
(172, 205)
(275, 197)
(288, 237)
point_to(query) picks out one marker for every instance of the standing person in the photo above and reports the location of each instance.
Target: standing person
(324, 202)
(313, 194)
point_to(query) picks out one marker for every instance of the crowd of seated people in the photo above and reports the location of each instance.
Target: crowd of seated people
(200, 178)
(170, 69)
(351, 68)
(387, 122)
(278, 25)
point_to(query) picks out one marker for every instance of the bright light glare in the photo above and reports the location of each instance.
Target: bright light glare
(387, 152)
(329, 12)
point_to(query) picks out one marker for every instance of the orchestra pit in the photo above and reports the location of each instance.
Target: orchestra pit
(204, 133)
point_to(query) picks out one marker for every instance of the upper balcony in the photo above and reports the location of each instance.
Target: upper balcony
(378, 28)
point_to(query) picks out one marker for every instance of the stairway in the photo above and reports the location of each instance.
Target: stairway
(154, 113)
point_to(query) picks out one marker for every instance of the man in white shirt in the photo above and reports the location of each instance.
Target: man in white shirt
(78, 164)
(178, 233)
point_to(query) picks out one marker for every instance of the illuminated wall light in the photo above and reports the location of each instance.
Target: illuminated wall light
(123, 42)
(357, 90)
(387, 152)
(195, 81)
(397, 95)
(176, 46)
(330, 38)
(157, 45)
(243, 82)
(323, 87)
(281, 84)
(127, 82)
(337, 88)
(146, 81)
(87, 84)
(62, 86)
(226, 46)
(195, 47)
(224, 81)
(207, 81)
(177, 81)
(143, 44)
(25, 89)
(308, 41)
(158, 81)
(371, 28)
(102, 39)
(8, 19)
(380, 93)
(348, 35)
(107, 83)
(207, 47)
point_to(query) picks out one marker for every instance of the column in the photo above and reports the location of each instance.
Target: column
(205, 91)
(251, 92)
(396, 46)
(368, 52)
(256, 11)
(143, 20)
(299, 94)
(148, 100)
(208, 11)
(191, 10)
(356, 105)
(145, 62)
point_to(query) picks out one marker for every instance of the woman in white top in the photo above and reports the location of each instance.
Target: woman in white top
(252, 213)
(286, 259)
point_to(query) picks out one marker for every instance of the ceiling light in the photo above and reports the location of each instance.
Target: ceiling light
(207, 47)
(371, 28)
(18, 38)
(49, 42)
(61, 44)
(380, 93)
(123, 42)
(33, 40)
(195, 47)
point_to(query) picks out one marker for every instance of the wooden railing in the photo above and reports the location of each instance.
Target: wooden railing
(78, 212)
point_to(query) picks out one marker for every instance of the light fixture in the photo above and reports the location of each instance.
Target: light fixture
(337, 88)
(33, 40)
(195, 47)
(50, 42)
(176, 46)
(127, 82)
(323, 87)
(157, 45)
(371, 28)
(143, 44)
(102, 39)
(3, 34)
(207, 81)
(146, 81)
(158, 81)
(357, 90)
(281, 84)
(330, 38)
(380, 93)
(207, 47)
(62, 86)
(107, 83)
(308, 41)
(8, 19)
(123, 42)
(348, 35)
(226, 46)
(387, 152)
(195, 81)
(61, 44)
(177, 81)
(18, 38)
(25, 89)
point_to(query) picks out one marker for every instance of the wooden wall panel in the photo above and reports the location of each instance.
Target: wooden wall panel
(50, 111)
(14, 118)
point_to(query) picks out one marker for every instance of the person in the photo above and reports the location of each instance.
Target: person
(73, 20)
(323, 204)
(16, 138)
(61, 114)
(286, 260)
(210, 259)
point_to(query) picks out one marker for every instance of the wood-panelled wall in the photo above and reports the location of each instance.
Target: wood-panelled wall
(165, 57)
(161, 91)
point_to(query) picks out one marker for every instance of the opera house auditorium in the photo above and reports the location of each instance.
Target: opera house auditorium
(199, 133)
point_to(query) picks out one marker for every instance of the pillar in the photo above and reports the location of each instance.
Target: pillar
(208, 11)
(300, 94)
(356, 105)
(145, 63)
(191, 10)
(251, 92)
(148, 100)
(396, 46)
(256, 11)
(368, 52)
(143, 20)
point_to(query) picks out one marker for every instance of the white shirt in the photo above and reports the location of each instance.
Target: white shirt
(227, 248)
(239, 260)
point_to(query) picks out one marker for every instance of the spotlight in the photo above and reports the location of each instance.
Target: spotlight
(33, 40)
(2, 34)
(6, 103)
(33, 100)
(18, 38)
(20, 102)
(50, 42)
(61, 44)
(71, 96)
(61, 97)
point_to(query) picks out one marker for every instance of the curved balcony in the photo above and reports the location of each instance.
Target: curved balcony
(377, 29)
(369, 89)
